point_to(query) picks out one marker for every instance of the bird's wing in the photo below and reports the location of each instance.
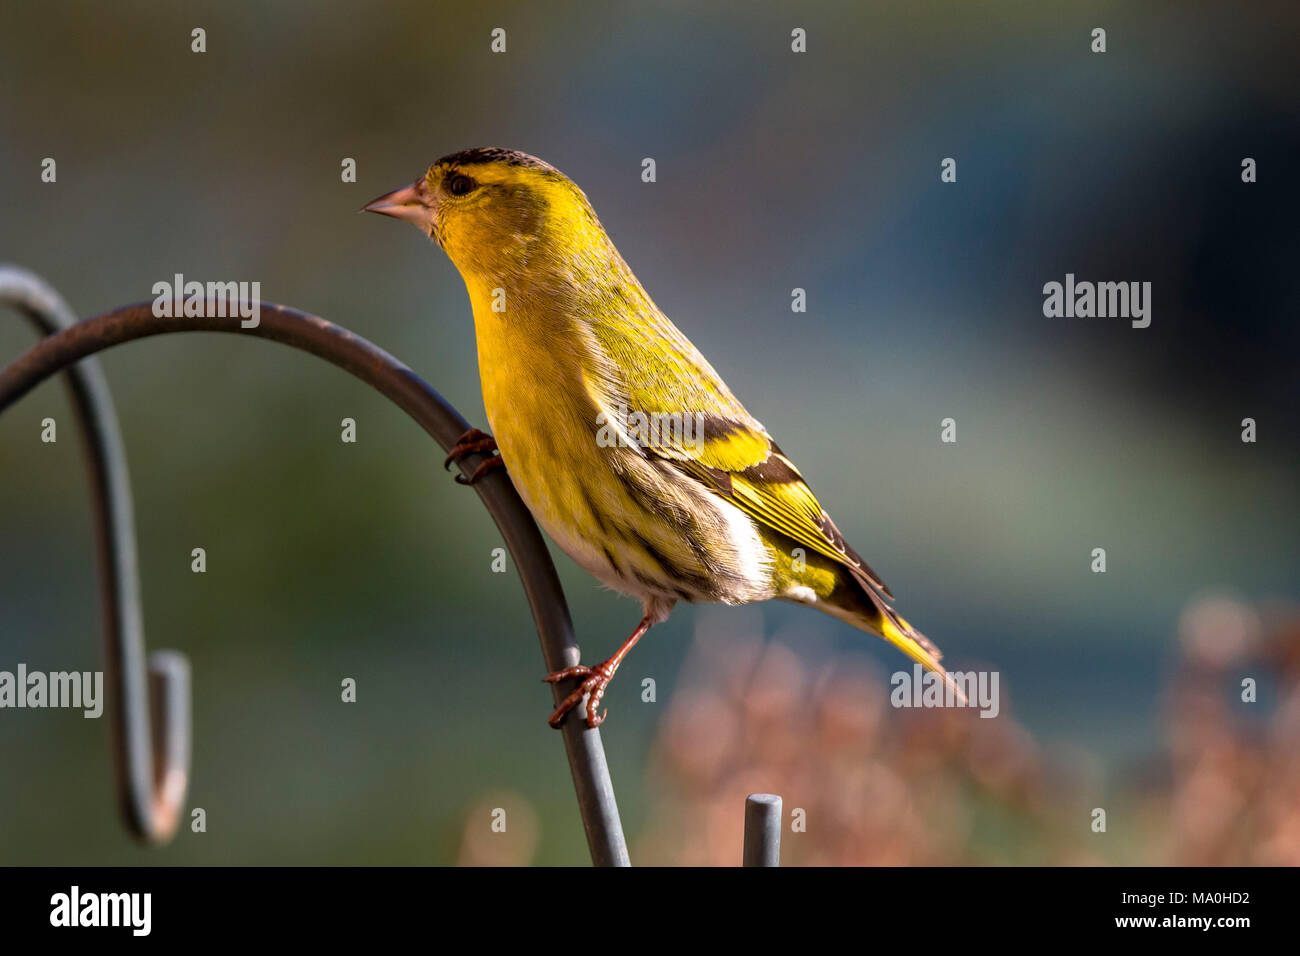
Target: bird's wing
(718, 442)
(769, 489)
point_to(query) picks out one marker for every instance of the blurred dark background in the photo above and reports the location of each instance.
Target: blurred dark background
(775, 170)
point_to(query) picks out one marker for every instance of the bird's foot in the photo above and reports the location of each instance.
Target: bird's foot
(491, 464)
(474, 442)
(595, 680)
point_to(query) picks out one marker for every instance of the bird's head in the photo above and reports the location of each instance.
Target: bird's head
(497, 211)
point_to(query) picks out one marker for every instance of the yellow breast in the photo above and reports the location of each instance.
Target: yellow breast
(543, 423)
(634, 523)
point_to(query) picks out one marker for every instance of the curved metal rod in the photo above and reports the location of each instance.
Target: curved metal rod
(151, 750)
(409, 392)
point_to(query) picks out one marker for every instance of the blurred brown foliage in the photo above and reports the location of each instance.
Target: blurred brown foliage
(1232, 790)
(884, 786)
(500, 829)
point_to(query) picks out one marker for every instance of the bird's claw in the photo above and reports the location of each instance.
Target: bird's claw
(494, 462)
(474, 442)
(595, 680)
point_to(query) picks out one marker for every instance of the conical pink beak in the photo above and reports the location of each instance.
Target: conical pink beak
(410, 203)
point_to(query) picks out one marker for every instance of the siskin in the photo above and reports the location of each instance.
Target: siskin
(575, 360)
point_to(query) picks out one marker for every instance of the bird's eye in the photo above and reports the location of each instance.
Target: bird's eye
(460, 185)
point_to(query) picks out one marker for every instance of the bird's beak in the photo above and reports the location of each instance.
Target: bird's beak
(411, 203)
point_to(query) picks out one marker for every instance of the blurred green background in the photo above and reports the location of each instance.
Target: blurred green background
(328, 560)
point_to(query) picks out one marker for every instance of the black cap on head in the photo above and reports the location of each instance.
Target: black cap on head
(494, 154)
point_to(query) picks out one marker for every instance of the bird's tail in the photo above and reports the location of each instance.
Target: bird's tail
(875, 616)
(920, 649)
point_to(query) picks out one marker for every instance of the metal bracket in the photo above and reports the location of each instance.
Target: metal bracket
(154, 781)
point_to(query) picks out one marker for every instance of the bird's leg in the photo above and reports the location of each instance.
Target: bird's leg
(596, 679)
(471, 443)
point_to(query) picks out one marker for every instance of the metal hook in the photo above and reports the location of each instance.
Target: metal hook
(151, 750)
(445, 425)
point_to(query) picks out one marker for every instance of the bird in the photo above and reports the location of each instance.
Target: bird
(574, 360)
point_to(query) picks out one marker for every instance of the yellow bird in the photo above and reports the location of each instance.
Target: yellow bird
(619, 436)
